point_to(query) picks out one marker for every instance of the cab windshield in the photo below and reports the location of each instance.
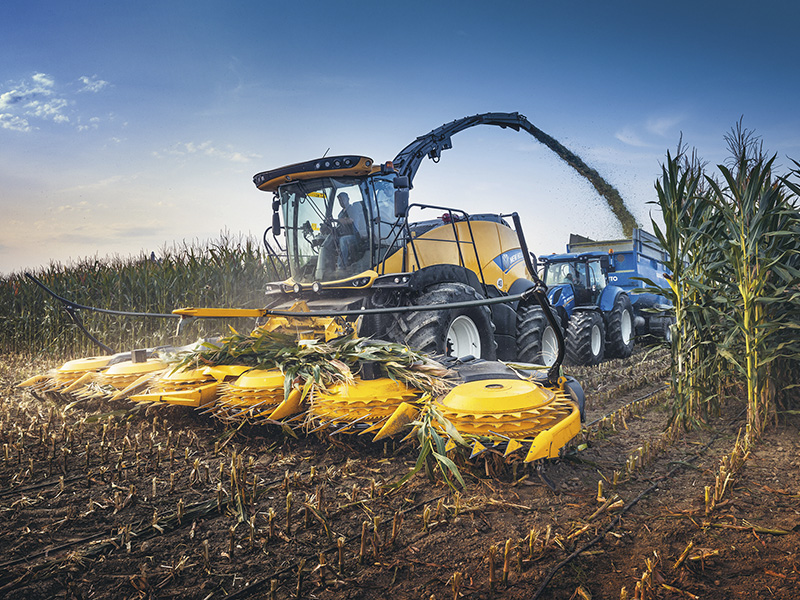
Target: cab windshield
(566, 272)
(337, 227)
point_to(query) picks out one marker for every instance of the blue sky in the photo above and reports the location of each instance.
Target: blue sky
(127, 126)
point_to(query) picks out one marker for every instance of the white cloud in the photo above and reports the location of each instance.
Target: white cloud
(650, 134)
(663, 126)
(101, 184)
(207, 148)
(44, 80)
(14, 123)
(52, 109)
(7, 99)
(628, 136)
(38, 98)
(92, 84)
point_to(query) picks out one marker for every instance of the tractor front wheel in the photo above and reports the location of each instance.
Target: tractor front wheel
(454, 332)
(536, 340)
(619, 340)
(585, 339)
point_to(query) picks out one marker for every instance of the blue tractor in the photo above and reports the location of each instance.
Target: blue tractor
(592, 288)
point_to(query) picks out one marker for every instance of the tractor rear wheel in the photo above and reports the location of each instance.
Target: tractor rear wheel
(619, 339)
(454, 332)
(536, 341)
(585, 339)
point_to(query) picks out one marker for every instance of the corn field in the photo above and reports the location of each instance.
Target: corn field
(227, 272)
(106, 500)
(733, 241)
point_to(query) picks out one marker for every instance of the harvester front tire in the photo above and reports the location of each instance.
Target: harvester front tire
(536, 341)
(585, 339)
(619, 338)
(438, 331)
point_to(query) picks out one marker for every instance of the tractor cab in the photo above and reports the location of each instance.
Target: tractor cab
(585, 274)
(575, 279)
(338, 216)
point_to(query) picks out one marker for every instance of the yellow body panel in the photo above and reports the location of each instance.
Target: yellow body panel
(438, 247)
(289, 407)
(92, 363)
(403, 415)
(260, 379)
(497, 396)
(521, 414)
(131, 368)
(194, 397)
(222, 372)
(550, 441)
(370, 401)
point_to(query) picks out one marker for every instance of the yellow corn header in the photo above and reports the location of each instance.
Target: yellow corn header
(489, 405)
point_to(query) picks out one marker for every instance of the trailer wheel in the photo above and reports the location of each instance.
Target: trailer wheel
(667, 329)
(585, 339)
(661, 327)
(455, 332)
(536, 341)
(619, 339)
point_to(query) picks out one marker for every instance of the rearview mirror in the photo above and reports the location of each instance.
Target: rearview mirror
(401, 185)
(276, 223)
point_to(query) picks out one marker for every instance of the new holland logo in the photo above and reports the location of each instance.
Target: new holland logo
(507, 260)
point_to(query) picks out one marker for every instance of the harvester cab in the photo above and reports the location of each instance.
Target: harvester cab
(338, 215)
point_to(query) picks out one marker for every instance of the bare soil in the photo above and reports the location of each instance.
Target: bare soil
(154, 509)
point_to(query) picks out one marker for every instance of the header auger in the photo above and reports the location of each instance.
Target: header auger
(385, 322)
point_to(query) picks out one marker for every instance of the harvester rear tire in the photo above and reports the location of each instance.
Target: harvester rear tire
(585, 339)
(536, 341)
(620, 333)
(431, 331)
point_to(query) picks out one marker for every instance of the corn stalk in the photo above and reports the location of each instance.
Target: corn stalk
(732, 249)
(758, 241)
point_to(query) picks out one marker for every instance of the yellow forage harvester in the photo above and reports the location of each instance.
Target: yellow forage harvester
(358, 261)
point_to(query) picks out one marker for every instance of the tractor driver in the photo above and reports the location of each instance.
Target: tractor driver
(352, 227)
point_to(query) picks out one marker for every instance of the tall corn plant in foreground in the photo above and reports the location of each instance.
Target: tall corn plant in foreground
(685, 212)
(733, 253)
(757, 221)
(788, 338)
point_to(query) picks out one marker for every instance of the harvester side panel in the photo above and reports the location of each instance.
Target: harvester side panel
(497, 256)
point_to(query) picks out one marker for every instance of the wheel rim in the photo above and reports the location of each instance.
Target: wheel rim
(463, 337)
(596, 340)
(626, 327)
(549, 346)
